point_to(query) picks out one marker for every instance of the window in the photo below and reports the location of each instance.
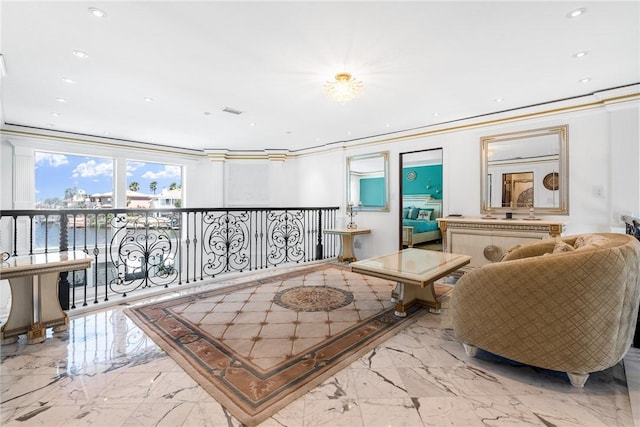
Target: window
(73, 182)
(153, 185)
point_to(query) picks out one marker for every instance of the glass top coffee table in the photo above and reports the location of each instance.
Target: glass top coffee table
(415, 270)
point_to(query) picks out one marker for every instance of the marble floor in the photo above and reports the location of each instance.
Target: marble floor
(105, 372)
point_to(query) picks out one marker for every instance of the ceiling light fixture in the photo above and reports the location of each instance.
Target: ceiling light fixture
(580, 54)
(55, 114)
(97, 12)
(68, 80)
(585, 80)
(344, 88)
(148, 99)
(576, 12)
(61, 100)
(232, 111)
(80, 54)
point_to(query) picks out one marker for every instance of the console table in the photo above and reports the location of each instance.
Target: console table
(33, 280)
(347, 252)
(488, 240)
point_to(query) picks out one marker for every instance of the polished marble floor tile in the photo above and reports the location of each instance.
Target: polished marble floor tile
(105, 372)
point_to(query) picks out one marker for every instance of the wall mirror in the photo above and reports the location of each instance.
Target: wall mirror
(368, 181)
(526, 170)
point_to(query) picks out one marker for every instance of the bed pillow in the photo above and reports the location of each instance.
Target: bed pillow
(425, 214)
(405, 213)
(413, 213)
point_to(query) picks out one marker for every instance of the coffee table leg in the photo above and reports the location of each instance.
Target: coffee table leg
(400, 312)
(394, 293)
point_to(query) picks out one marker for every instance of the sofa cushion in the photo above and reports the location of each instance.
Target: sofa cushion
(590, 241)
(562, 247)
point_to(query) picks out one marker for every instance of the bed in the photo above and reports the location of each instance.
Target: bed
(419, 223)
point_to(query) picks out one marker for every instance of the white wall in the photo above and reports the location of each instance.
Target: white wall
(604, 172)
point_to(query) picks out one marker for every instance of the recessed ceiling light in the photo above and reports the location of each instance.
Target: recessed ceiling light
(498, 100)
(576, 12)
(55, 114)
(388, 125)
(106, 133)
(68, 80)
(97, 12)
(580, 54)
(147, 99)
(80, 54)
(61, 100)
(3, 66)
(252, 124)
(585, 80)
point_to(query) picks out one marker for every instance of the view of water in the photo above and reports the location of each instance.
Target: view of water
(50, 236)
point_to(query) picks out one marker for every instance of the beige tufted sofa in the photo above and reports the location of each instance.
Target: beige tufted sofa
(567, 305)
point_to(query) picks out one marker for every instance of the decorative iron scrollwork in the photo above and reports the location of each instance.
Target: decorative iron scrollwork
(285, 231)
(225, 242)
(144, 252)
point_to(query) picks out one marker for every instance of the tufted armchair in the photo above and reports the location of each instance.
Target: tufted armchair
(567, 305)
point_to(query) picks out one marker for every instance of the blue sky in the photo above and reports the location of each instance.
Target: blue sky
(56, 172)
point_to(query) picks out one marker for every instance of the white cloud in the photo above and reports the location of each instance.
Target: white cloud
(131, 166)
(169, 171)
(51, 159)
(93, 168)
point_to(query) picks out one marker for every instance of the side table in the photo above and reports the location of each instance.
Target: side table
(347, 252)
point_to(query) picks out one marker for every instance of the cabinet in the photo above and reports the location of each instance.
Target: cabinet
(487, 240)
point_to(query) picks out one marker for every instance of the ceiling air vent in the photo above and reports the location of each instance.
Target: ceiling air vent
(232, 111)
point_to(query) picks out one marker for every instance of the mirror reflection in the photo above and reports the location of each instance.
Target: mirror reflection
(367, 182)
(525, 171)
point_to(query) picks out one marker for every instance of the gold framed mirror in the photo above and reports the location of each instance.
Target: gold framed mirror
(526, 170)
(368, 181)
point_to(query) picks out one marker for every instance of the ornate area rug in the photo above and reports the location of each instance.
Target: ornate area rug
(257, 346)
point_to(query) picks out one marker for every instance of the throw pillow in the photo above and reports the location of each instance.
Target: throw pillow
(413, 213)
(561, 247)
(590, 241)
(425, 214)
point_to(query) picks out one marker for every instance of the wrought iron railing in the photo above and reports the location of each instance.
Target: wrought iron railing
(141, 249)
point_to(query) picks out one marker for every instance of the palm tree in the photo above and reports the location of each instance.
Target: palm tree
(153, 186)
(70, 192)
(173, 186)
(134, 186)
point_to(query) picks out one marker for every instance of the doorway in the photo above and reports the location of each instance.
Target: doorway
(420, 199)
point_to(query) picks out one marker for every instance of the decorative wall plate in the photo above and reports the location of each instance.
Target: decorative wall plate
(411, 175)
(551, 181)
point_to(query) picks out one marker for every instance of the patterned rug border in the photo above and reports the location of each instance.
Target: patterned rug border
(311, 369)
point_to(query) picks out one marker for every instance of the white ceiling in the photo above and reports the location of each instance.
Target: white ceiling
(270, 60)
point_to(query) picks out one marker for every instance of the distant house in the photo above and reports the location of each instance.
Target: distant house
(101, 200)
(135, 200)
(168, 198)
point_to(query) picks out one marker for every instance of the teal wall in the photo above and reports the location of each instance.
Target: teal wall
(425, 175)
(372, 191)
